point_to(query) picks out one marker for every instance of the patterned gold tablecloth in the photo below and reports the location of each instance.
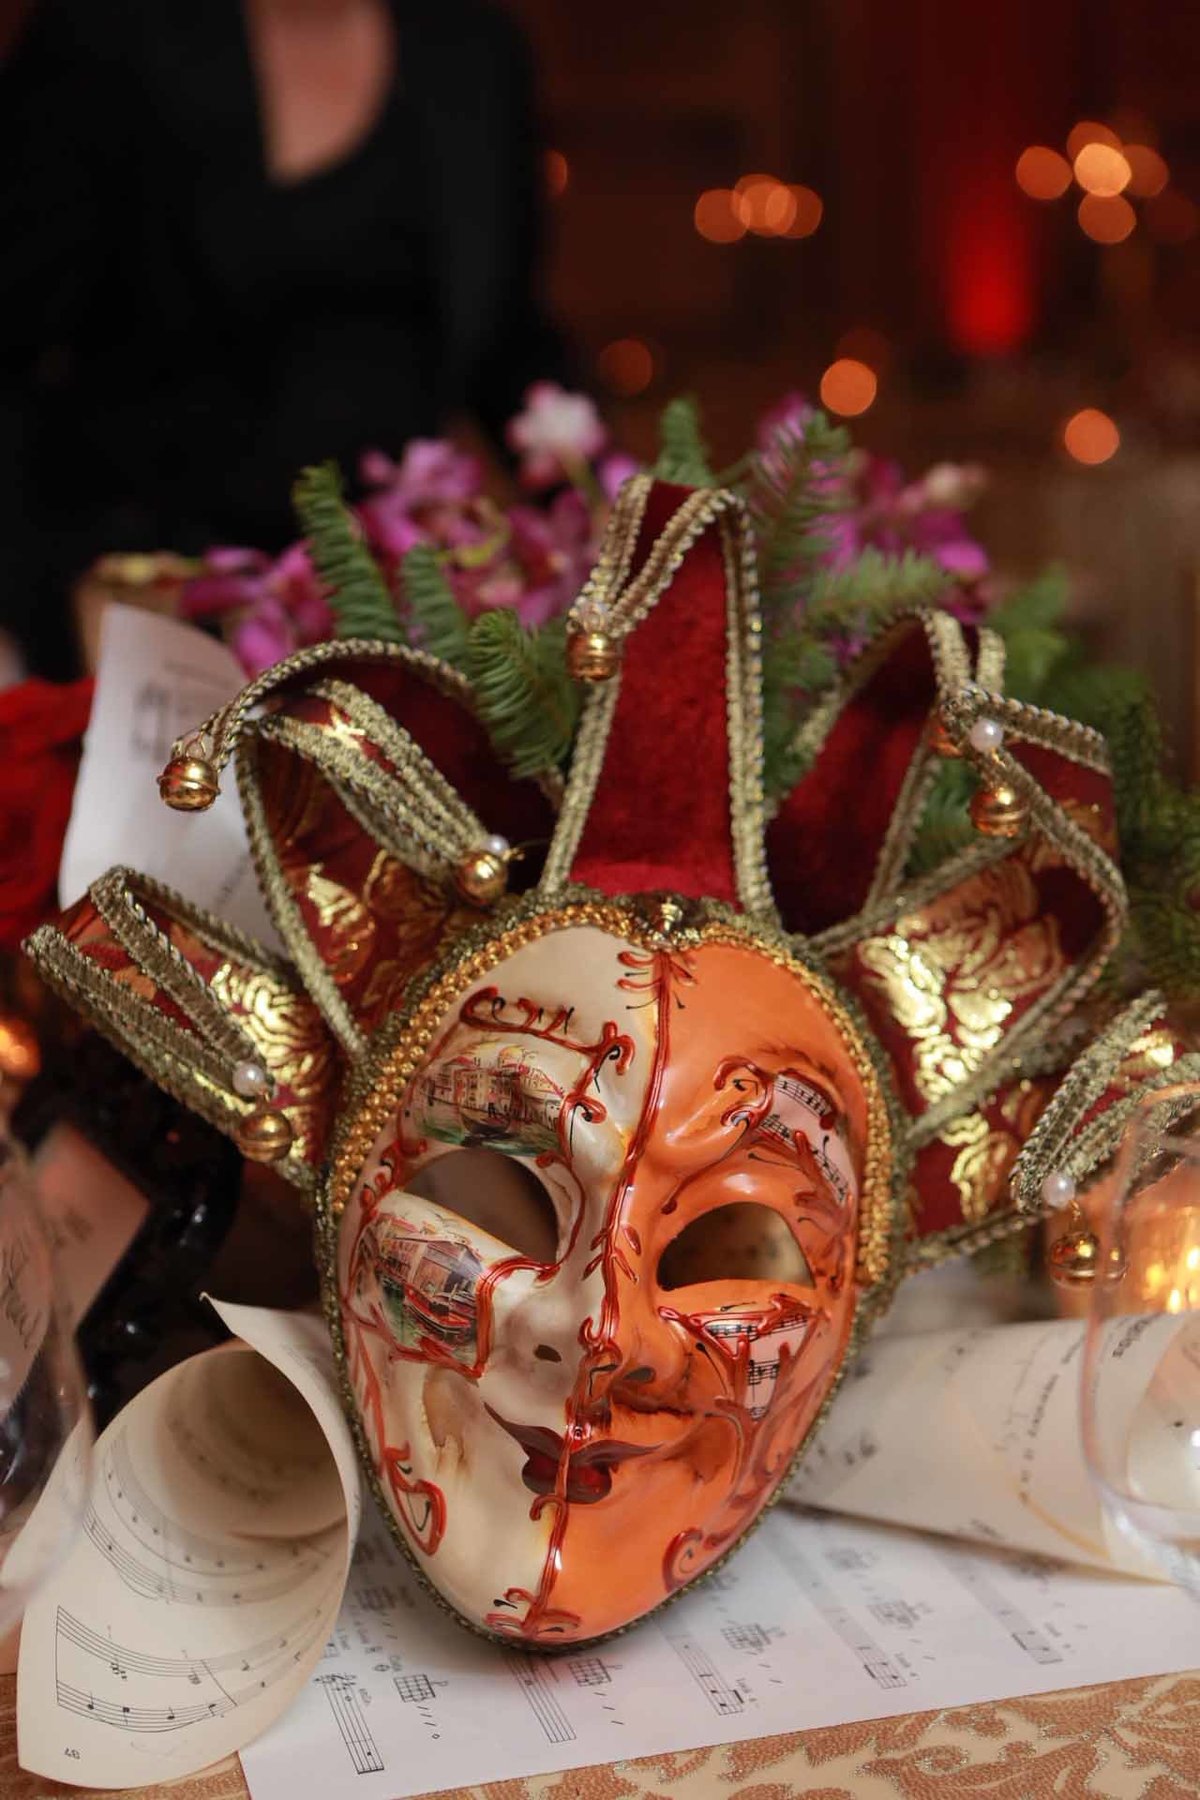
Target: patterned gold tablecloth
(1127, 1740)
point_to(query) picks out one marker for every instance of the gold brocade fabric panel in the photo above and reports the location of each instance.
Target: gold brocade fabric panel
(948, 982)
(1125, 1740)
(961, 1174)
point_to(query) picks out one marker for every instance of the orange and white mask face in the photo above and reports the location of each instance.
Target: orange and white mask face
(598, 1272)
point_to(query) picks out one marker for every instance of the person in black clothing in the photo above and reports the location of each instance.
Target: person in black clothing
(239, 237)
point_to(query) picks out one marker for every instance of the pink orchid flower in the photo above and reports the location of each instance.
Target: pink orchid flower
(556, 436)
(275, 607)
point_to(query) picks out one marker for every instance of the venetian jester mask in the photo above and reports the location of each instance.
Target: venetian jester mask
(622, 1106)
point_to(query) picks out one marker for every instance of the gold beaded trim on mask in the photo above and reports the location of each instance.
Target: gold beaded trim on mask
(378, 1085)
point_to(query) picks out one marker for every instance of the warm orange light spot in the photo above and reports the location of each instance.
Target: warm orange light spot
(716, 216)
(1102, 170)
(810, 210)
(1106, 219)
(764, 205)
(848, 387)
(1090, 131)
(1148, 173)
(627, 366)
(1090, 436)
(558, 174)
(1042, 173)
(1171, 218)
(864, 344)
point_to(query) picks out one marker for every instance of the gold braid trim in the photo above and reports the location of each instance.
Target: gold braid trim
(1059, 1142)
(743, 689)
(218, 734)
(195, 1067)
(990, 659)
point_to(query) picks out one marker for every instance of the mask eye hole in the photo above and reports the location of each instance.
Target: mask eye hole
(496, 1193)
(739, 1242)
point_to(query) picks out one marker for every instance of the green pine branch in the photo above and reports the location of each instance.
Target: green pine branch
(443, 626)
(683, 454)
(866, 592)
(790, 490)
(358, 594)
(524, 694)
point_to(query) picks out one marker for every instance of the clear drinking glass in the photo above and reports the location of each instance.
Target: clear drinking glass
(45, 1421)
(1141, 1375)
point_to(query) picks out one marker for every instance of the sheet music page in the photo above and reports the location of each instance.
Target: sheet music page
(156, 679)
(816, 1620)
(223, 1516)
(976, 1433)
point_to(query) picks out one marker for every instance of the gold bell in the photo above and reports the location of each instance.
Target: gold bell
(264, 1136)
(591, 656)
(998, 811)
(482, 877)
(1074, 1259)
(188, 784)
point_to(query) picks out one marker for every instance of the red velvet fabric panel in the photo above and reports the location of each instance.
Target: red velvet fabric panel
(660, 817)
(824, 842)
(1085, 794)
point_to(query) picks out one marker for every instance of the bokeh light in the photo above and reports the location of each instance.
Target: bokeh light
(848, 387)
(1042, 173)
(626, 366)
(1102, 170)
(717, 218)
(764, 205)
(810, 209)
(1148, 173)
(1090, 131)
(1171, 218)
(1106, 219)
(558, 174)
(1090, 436)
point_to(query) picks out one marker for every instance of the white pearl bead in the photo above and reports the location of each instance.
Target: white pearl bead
(1058, 1189)
(251, 1080)
(987, 735)
(495, 845)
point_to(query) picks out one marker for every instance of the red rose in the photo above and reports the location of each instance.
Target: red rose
(41, 731)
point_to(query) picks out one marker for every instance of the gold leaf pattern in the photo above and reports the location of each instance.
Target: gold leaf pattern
(951, 973)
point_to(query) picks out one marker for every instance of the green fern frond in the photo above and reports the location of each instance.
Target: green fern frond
(443, 626)
(865, 592)
(790, 490)
(683, 454)
(945, 826)
(798, 668)
(358, 593)
(524, 694)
